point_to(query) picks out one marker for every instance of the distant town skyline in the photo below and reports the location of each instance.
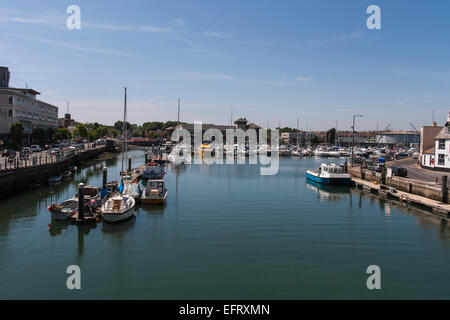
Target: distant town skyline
(271, 62)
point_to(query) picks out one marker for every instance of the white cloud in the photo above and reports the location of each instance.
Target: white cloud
(179, 22)
(302, 79)
(213, 34)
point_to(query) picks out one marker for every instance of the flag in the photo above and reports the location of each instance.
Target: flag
(121, 186)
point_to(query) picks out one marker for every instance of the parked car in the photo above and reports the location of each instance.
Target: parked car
(56, 151)
(26, 150)
(399, 172)
(35, 148)
(401, 155)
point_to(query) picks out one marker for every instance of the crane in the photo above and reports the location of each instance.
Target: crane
(387, 127)
(414, 127)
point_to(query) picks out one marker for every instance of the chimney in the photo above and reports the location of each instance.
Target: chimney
(434, 124)
(448, 117)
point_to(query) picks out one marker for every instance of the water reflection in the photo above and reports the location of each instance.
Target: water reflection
(328, 192)
(117, 230)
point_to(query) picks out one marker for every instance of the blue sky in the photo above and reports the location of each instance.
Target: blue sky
(270, 61)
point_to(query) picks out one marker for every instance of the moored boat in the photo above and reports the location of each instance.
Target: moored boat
(55, 179)
(329, 174)
(68, 208)
(118, 208)
(155, 192)
(153, 170)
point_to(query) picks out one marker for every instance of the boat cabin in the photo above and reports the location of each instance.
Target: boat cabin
(331, 168)
(155, 188)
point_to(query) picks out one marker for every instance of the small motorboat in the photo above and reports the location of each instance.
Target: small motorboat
(67, 175)
(55, 179)
(118, 208)
(91, 193)
(155, 192)
(284, 152)
(152, 171)
(329, 174)
(178, 159)
(296, 153)
(68, 208)
(64, 210)
(334, 154)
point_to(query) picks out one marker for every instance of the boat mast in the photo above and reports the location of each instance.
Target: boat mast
(124, 129)
(178, 119)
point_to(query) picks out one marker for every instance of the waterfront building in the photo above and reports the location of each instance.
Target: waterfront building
(435, 152)
(240, 123)
(300, 138)
(394, 138)
(345, 138)
(21, 104)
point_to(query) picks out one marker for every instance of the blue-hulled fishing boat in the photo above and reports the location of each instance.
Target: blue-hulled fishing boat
(329, 174)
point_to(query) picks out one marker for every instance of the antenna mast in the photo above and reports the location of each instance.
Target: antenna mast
(178, 121)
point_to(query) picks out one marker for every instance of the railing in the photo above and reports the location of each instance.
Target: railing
(41, 158)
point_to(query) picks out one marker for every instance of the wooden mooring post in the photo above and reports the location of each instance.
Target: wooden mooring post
(445, 189)
(80, 202)
(105, 177)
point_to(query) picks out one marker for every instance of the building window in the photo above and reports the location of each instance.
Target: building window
(10, 112)
(441, 160)
(10, 100)
(441, 144)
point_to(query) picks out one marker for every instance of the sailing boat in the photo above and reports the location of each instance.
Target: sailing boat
(120, 206)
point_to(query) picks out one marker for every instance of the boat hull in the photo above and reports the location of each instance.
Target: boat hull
(117, 217)
(331, 181)
(161, 200)
(153, 201)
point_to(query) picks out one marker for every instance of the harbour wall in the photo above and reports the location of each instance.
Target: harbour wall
(20, 179)
(429, 190)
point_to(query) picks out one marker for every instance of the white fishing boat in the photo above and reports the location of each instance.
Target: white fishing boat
(118, 208)
(329, 174)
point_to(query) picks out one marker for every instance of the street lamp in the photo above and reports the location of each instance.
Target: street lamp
(353, 136)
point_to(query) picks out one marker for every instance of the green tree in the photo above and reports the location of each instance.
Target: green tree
(16, 134)
(61, 134)
(81, 131)
(314, 140)
(119, 126)
(40, 136)
(331, 135)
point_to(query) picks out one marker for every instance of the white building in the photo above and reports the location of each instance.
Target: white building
(20, 104)
(438, 156)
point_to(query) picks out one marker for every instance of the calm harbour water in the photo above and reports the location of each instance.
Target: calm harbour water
(226, 233)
